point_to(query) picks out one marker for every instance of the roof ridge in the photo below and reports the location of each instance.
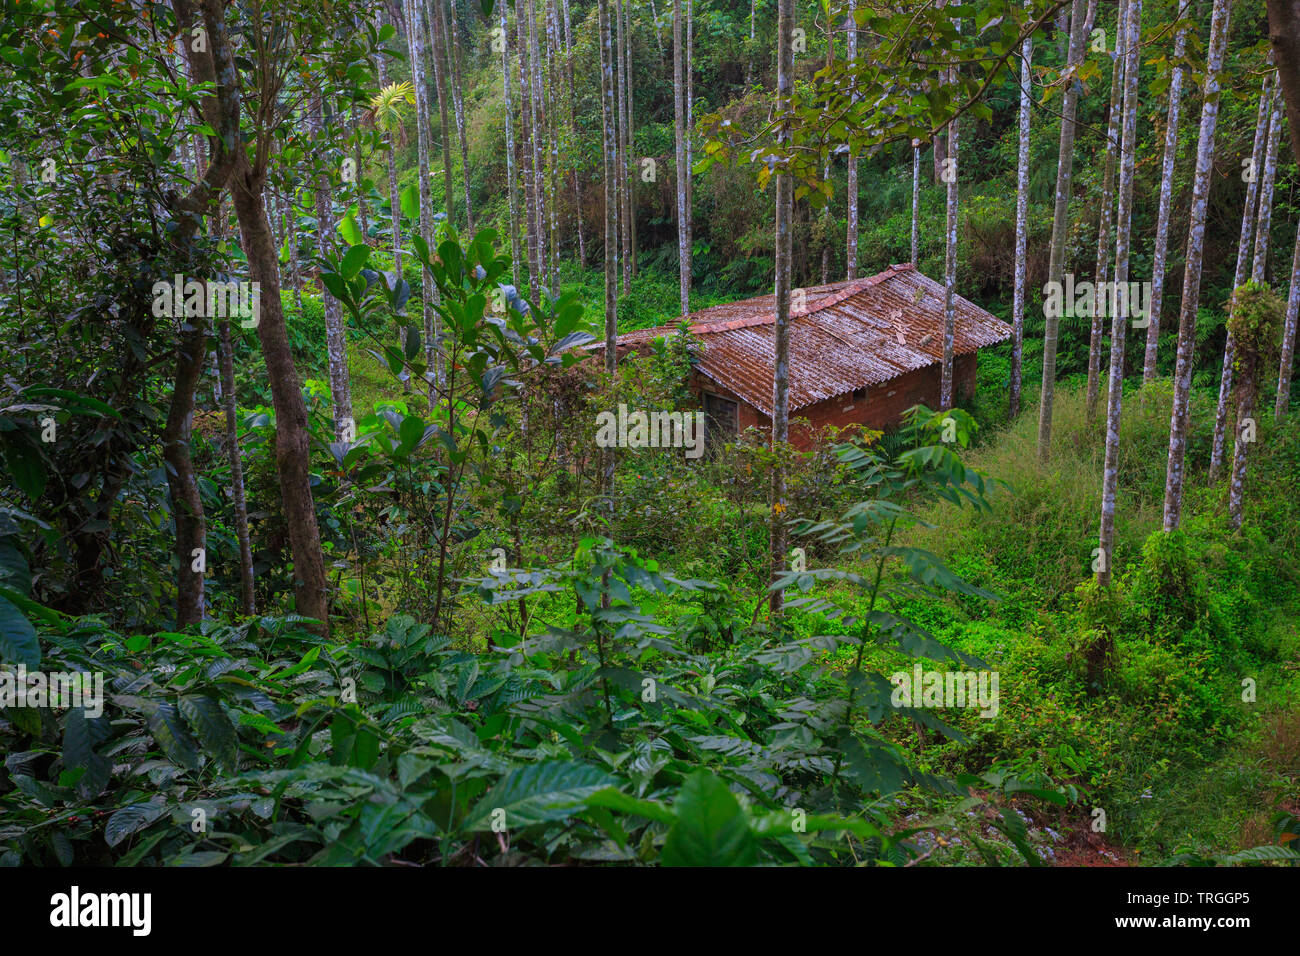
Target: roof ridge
(853, 287)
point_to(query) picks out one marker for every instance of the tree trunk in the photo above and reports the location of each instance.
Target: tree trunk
(689, 68)
(1247, 394)
(1263, 222)
(336, 339)
(1284, 34)
(1101, 269)
(1173, 505)
(394, 198)
(528, 131)
(248, 601)
(1123, 234)
(1287, 354)
(295, 266)
(851, 242)
(512, 183)
(683, 170)
(292, 449)
(625, 103)
(946, 398)
(916, 202)
(609, 168)
(431, 21)
(458, 104)
(1166, 199)
(624, 184)
(1022, 229)
(182, 483)
(781, 327)
(415, 34)
(1064, 172)
(538, 140)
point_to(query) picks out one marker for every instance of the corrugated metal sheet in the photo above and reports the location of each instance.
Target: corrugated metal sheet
(850, 335)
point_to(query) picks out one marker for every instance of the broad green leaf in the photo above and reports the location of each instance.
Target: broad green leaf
(538, 793)
(711, 827)
(18, 642)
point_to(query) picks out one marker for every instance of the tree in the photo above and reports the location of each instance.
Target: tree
(386, 112)
(851, 188)
(1263, 220)
(512, 181)
(1284, 34)
(1022, 227)
(1123, 232)
(683, 170)
(1056, 266)
(415, 35)
(781, 328)
(458, 104)
(621, 41)
(949, 268)
(248, 179)
(609, 166)
(1160, 254)
(430, 18)
(1107, 207)
(336, 339)
(1287, 350)
(1211, 93)
(1254, 323)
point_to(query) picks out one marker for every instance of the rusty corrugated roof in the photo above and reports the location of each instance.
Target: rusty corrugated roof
(849, 335)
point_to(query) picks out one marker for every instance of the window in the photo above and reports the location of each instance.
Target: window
(721, 418)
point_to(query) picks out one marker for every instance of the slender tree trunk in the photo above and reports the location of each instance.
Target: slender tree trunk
(512, 182)
(1263, 222)
(415, 34)
(457, 73)
(1173, 505)
(916, 202)
(1102, 269)
(183, 489)
(1119, 325)
(609, 168)
(683, 170)
(292, 449)
(1056, 266)
(551, 88)
(527, 128)
(431, 21)
(248, 601)
(573, 129)
(1287, 354)
(336, 340)
(946, 397)
(629, 191)
(394, 198)
(1022, 228)
(624, 183)
(689, 68)
(1247, 393)
(1160, 255)
(295, 268)
(539, 139)
(781, 328)
(362, 211)
(851, 242)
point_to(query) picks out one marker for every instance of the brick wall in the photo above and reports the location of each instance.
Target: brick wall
(882, 407)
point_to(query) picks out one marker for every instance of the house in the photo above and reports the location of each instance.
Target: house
(861, 352)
